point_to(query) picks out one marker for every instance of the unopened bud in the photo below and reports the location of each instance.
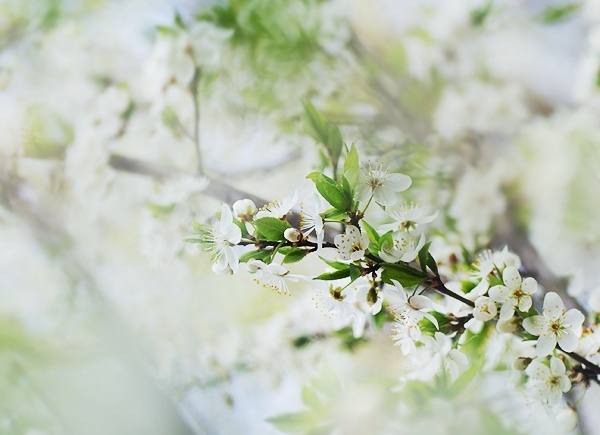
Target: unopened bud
(521, 363)
(244, 209)
(292, 235)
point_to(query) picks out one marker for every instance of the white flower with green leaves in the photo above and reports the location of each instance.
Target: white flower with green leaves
(451, 358)
(554, 326)
(219, 241)
(375, 182)
(311, 220)
(515, 293)
(351, 244)
(279, 208)
(408, 310)
(547, 384)
(404, 247)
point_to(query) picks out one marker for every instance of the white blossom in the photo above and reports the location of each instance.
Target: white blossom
(311, 220)
(244, 209)
(404, 247)
(555, 325)
(351, 244)
(375, 182)
(547, 384)
(452, 358)
(278, 208)
(271, 276)
(219, 242)
(406, 217)
(515, 293)
(485, 309)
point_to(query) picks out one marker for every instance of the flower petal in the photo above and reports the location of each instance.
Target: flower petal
(511, 278)
(384, 196)
(529, 286)
(553, 306)
(398, 182)
(545, 344)
(507, 311)
(568, 341)
(500, 293)
(535, 325)
(574, 318)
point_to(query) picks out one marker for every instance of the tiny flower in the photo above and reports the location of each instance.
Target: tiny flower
(292, 235)
(271, 276)
(506, 258)
(406, 218)
(515, 293)
(451, 357)
(244, 209)
(279, 208)
(377, 183)
(547, 384)
(404, 247)
(220, 240)
(352, 244)
(408, 310)
(482, 268)
(554, 325)
(485, 309)
(311, 220)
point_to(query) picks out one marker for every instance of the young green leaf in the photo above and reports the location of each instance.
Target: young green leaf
(333, 193)
(336, 265)
(313, 124)
(338, 274)
(354, 272)
(295, 255)
(405, 275)
(351, 159)
(334, 145)
(373, 236)
(261, 254)
(271, 229)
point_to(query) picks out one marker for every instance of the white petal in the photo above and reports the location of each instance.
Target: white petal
(535, 325)
(553, 306)
(545, 344)
(226, 217)
(398, 182)
(525, 304)
(500, 293)
(384, 196)
(568, 341)
(507, 311)
(529, 286)
(557, 367)
(511, 278)
(574, 318)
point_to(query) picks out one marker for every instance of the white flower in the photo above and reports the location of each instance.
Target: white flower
(271, 276)
(311, 220)
(244, 209)
(220, 240)
(408, 310)
(404, 248)
(335, 302)
(352, 244)
(506, 258)
(406, 217)
(279, 208)
(405, 336)
(452, 358)
(554, 325)
(485, 309)
(377, 183)
(547, 384)
(482, 268)
(515, 293)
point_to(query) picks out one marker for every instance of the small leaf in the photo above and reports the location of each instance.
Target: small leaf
(261, 254)
(313, 124)
(334, 145)
(373, 236)
(354, 272)
(423, 253)
(271, 229)
(294, 423)
(313, 175)
(332, 192)
(463, 381)
(347, 189)
(309, 398)
(351, 159)
(338, 274)
(160, 210)
(336, 265)
(405, 275)
(294, 255)
(559, 13)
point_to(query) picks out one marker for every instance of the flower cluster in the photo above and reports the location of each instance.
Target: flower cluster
(436, 307)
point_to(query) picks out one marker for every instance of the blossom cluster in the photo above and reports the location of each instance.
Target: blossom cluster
(435, 307)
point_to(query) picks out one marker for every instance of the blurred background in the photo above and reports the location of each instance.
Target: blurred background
(122, 122)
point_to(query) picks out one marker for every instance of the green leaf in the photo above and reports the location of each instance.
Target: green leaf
(351, 159)
(334, 145)
(294, 423)
(347, 189)
(559, 13)
(179, 22)
(338, 274)
(261, 254)
(479, 15)
(405, 275)
(295, 255)
(354, 272)
(423, 253)
(271, 229)
(333, 193)
(198, 227)
(309, 398)
(373, 236)
(170, 118)
(160, 210)
(463, 381)
(313, 124)
(336, 265)
(313, 175)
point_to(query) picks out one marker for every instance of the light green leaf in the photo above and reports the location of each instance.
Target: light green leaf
(354, 272)
(295, 423)
(271, 229)
(338, 274)
(351, 159)
(333, 193)
(336, 265)
(404, 274)
(294, 255)
(261, 254)
(313, 124)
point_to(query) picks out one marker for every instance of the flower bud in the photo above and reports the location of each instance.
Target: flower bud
(507, 325)
(566, 419)
(244, 209)
(292, 235)
(521, 363)
(254, 265)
